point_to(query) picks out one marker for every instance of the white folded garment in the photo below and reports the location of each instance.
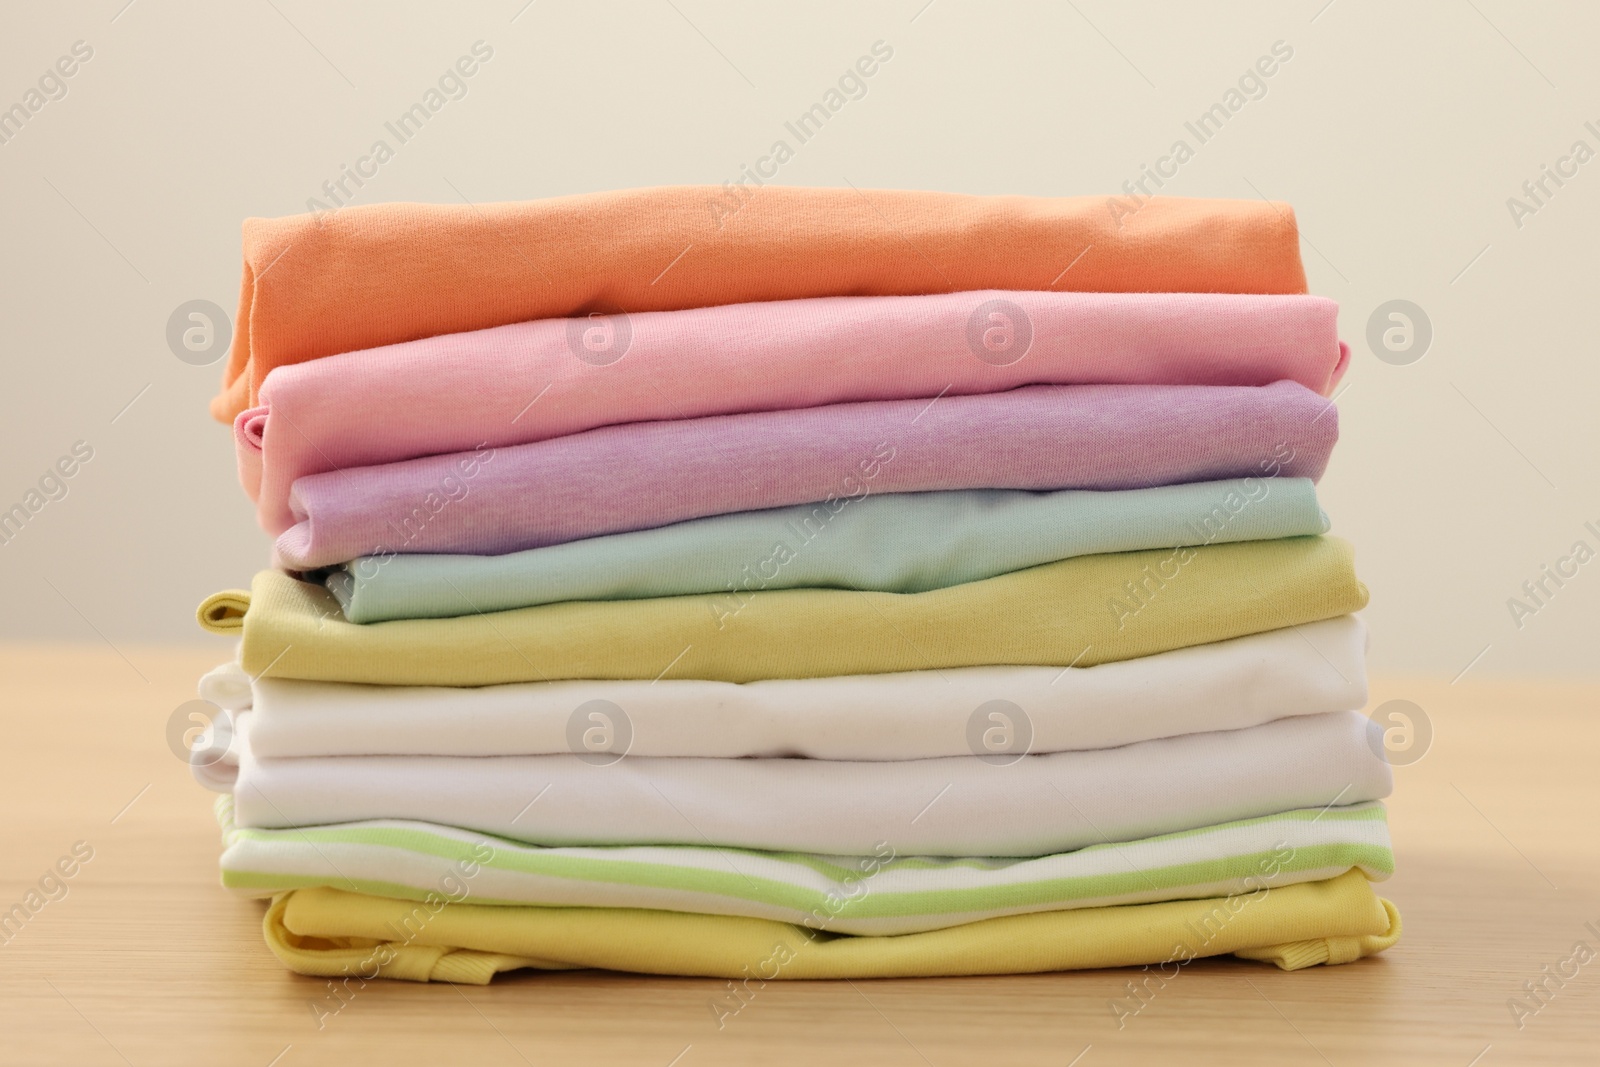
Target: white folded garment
(1229, 685)
(950, 806)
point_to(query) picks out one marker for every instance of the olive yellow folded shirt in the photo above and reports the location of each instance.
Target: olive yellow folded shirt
(320, 284)
(335, 934)
(1075, 612)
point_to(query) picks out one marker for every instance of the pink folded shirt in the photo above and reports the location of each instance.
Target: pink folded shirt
(616, 478)
(534, 381)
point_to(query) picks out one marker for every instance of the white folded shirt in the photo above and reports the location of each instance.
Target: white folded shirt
(1306, 670)
(951, 806)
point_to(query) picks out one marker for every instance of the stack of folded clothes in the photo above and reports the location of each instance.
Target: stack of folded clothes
(862, 584)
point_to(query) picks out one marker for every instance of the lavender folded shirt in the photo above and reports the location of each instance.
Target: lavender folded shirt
(648, 474)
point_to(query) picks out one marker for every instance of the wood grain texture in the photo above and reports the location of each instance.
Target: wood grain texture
(147, 961)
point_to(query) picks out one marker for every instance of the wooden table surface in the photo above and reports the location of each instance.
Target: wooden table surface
(146, 960)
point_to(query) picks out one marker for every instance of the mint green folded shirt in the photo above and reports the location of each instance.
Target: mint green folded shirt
(899, 543)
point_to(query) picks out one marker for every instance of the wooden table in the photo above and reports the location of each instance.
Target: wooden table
(146, 961)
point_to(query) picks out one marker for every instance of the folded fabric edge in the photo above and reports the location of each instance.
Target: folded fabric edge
(223, 613)
(1297, 955)
(1340, 365)
(227, 686)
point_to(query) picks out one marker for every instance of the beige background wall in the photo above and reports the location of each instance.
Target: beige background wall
(1397, 130)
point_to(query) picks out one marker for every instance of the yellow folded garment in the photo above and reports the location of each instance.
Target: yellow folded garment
(1082, 611)
(332, 933)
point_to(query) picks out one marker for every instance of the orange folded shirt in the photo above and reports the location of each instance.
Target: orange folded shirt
(320, 284)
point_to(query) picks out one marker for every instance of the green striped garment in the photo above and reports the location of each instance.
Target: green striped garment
(885, 893)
